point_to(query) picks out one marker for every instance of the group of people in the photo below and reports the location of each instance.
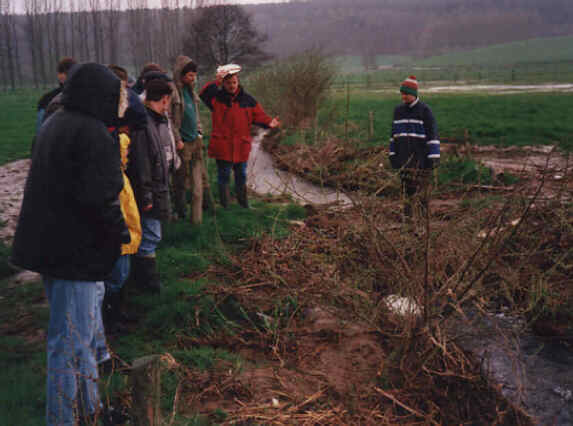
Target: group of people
(110, 162)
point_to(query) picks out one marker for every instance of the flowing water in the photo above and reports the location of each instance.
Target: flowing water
(263, 178)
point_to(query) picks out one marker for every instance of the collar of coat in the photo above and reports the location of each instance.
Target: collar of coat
(413, 104)
(156, 116)
(227, 98)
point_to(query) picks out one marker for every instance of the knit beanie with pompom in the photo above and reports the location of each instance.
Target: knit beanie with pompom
(410, 86)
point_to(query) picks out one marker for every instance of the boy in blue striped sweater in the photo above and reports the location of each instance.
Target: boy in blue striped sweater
(414, 146)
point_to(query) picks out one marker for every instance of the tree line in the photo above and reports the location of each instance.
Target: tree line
(124, 32)
(131, 33)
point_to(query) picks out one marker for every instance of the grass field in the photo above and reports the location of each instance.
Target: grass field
(529, 61)
(534, 51)
(17, 123)
(509, 119)
(553, 50)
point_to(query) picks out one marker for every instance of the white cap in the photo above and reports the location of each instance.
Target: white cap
(229, 69)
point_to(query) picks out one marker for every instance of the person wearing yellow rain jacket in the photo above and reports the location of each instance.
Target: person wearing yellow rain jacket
(111, 307)
(112, 314)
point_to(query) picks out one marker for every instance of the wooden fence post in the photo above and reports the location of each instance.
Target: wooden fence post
(467, 144)
(347, 110)
(371, 125)
(145, 381)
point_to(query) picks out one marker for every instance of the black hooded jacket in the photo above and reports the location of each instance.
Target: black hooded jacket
(71, 226)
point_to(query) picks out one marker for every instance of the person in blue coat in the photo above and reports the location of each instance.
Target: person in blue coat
(414, 146)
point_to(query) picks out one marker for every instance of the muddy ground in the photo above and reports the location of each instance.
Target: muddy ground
(318, 341)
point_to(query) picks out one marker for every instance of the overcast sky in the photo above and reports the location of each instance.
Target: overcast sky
(19, 4)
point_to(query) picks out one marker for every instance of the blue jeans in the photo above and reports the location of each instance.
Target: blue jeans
(119, 274)
(224, 172)
(150, 236)
(102, 352)
(72, 376)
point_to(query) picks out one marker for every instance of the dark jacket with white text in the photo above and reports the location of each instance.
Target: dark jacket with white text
(414, 141)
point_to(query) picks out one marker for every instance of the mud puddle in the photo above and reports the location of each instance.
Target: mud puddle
(533, 164)
(12, 180)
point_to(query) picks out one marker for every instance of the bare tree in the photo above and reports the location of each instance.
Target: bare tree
(135, 16)
(33, 30)
(113, 13)
(224, 34)
(4, 42)
(97, 32)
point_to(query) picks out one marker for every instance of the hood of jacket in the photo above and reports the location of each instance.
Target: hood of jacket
(135, 116)
(94, 90)
(180, 63)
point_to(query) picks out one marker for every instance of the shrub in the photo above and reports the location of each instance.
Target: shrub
(294, 88)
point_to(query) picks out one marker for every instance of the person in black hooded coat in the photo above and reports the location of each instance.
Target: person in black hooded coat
(71, 229)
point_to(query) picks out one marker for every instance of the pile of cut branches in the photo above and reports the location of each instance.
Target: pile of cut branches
(319, 342)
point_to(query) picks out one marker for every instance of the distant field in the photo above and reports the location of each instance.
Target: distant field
(535, 51)
(538, 73)
(17, 123)
(353, 63)
(515, 119)
(530, 61)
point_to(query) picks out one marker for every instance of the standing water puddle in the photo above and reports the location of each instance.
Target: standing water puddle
(533, 373)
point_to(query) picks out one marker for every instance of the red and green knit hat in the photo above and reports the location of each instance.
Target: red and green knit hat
(410, 86)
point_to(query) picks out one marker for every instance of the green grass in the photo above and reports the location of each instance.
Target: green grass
(184, 250)
(535, 61)
(540, 50)
(17, 123)
(354, 63)
(23, 382)
(22, 354)
(522, 73)
(6, 269)
(509, 119)
(465, 171)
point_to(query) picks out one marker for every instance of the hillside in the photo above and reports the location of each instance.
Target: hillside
(412, 27)
(557, 49)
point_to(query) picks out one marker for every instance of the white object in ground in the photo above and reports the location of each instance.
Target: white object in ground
(401, 305)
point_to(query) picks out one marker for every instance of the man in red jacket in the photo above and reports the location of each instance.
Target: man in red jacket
(234, 111)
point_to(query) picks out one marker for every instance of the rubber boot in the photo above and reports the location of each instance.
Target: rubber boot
(111, 313)
(122, 314)
(180, 211)
(153, 281)
(242, 196)
(146, 274)
(107, 311)
(224, 195)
